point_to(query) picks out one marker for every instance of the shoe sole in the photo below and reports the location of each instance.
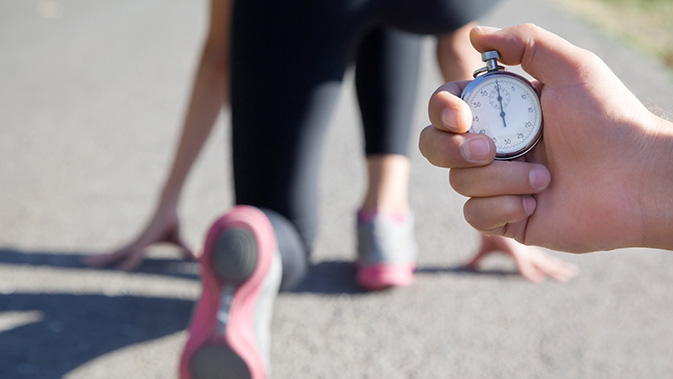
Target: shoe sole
(236, 257)
(383, 276)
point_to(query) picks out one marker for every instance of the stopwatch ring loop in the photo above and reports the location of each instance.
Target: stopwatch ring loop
(485, 69)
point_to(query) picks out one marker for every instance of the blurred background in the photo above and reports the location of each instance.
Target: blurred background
(644, 24)
(92, 96)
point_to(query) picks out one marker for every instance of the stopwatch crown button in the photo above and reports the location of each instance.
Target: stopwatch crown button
(487, 56)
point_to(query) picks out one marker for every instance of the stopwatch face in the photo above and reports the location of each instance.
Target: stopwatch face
(506, 108)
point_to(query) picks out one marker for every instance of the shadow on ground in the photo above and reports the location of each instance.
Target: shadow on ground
(69, 330)
(59, 332)
(65, 331)
(338, 277)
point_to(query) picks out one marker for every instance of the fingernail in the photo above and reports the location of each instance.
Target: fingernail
(529, 205)
(476, 150)
(449, 118)
(539, 178)
(486, 29)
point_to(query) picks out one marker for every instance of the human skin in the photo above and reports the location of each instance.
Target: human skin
(209, 94)
(457, 60)
(598, 180)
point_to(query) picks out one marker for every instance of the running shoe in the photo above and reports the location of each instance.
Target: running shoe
(229, 334)
(387, 252)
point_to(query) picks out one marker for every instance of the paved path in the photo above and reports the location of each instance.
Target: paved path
(78, 80)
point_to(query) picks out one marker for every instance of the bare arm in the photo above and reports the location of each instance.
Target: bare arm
(209, 93)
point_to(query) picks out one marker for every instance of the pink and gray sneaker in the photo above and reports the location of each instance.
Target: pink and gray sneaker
(229, 334)
(387, 251)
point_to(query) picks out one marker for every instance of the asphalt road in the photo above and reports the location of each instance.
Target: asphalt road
(91, 99)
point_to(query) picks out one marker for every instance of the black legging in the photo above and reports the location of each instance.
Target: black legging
(288, 60)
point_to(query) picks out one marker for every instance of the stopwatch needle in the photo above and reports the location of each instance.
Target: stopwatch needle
(502, 111)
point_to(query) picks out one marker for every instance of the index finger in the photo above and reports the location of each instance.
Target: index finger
(451, 150)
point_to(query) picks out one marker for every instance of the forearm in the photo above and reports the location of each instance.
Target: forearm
(207, 98)
(209, 93)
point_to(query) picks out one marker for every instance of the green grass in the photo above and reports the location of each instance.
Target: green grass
(645, 24)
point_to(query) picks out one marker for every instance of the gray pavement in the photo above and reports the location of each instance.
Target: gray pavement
(91, 99)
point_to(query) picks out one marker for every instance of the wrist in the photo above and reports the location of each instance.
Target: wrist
(169, 198)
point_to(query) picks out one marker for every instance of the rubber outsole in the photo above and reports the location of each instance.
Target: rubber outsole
(237, 256)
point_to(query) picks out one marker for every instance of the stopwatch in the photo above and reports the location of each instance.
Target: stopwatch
(505, 106)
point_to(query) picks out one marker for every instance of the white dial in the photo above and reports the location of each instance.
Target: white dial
(506, 108)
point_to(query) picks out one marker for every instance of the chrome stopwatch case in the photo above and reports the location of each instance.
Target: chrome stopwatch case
(506, 107)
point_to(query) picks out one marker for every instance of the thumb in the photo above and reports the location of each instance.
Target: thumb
(549, 58)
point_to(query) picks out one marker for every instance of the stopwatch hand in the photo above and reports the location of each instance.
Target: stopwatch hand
(502, 111)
